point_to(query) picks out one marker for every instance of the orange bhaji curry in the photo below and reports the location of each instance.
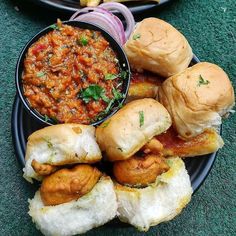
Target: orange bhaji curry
(72, 75)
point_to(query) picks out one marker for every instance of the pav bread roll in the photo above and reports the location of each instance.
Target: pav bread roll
(157, 46)
(131, 127)
(59, 145)
(197, 98)
(78, 216)
(159, 202)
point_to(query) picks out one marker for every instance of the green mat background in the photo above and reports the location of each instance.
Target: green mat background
(210, 27)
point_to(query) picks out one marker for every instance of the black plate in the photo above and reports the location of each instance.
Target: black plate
(23, 125)
(71, 6)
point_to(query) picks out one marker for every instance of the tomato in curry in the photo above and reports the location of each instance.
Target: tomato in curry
(72, 75)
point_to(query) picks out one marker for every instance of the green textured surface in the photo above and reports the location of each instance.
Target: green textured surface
(210, 27)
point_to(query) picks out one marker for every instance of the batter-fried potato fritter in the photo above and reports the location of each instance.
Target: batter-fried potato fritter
(153, 146)
(43, 169)
(139, 171)
(66, 185)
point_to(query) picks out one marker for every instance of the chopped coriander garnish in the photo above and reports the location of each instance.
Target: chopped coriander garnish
(105, 98)
(83, 41)
(120, 105)
(94, 92)
(123, 74)
(105, 124)
(54, 26)
(136, 36)
(111, 76)
(99, 116)
(202, 81)
(117, 94)
(41, 74)
(46, 118)
(49, 143)
(109, 106)
(141, 118)
(54, 119)
(169, 162)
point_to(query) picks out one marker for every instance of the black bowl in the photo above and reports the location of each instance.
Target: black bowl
(123, 61)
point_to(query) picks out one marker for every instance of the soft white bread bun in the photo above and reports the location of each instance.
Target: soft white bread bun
(158, 202)
(157, 46)
(59, 145)
(197, 98)
(131, 127)
(76, 217)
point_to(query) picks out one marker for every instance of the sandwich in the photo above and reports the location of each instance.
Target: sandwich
(52, 147)
(197, 99)
(158, 47)
(150, 188)
(73, 201)
(146, 85)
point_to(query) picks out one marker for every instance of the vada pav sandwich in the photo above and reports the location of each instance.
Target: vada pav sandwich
(158, 47)
(197, 98)
(73, 201)
(150, 188)
(52, 147)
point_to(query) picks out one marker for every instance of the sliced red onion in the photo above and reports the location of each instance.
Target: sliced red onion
(130, 23)
(81, 11)
(101, 20)
(105, 19)
(118, 23)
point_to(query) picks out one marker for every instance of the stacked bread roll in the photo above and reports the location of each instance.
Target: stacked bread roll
(74, 196)
(150, 189)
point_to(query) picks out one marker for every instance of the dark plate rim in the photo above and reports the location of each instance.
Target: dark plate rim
(19, 147)
(134, 7)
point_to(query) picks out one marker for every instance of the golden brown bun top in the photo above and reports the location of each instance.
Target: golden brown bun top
(131, 127)
(158, 34)
(197, 98)
(216, 94)
(157, 46)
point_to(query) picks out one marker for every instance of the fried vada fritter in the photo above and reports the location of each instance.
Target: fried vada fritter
(139, 171)
(153, 146)
(66, 185)
(43, 169)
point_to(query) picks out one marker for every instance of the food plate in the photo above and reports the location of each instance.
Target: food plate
(23, 125)
(71, 6)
